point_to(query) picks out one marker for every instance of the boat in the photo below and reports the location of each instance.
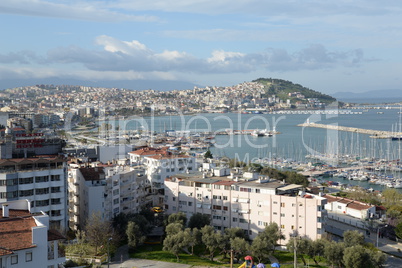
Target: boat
(257, 133)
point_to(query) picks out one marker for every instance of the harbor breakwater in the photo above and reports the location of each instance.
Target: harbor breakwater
(378, 134)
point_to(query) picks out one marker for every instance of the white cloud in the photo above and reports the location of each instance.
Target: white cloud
(120, 55)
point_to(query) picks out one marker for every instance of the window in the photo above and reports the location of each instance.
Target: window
(42, 191)
(26, 193)
(275, 213)
(14, 259)
(293, 204)
(234, 219)
(115, 201)
(217, 217)
(225, 197)
(55, 177)
(26, 180)
(282, 226)
(282, 214)
(243, 220)
(282, 205)
(225, 208)
(257, 191)
(293, 227)
(174, 198)
(41, 179)
(217, 207)
(55, 201)
(41, 203)
(55, 190)
(275, 202)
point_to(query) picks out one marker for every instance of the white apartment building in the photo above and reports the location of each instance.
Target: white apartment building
(87, 194)
(42, 181)
(250, 205)
(160, 164)
(26, 240)
(106, 189)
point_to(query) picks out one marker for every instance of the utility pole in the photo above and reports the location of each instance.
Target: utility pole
(294, 252)
(231, 258)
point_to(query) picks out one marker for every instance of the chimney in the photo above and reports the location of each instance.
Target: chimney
(6, 213)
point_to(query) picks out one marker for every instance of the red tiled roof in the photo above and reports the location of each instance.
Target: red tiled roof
(12, 213)
(163, 156)
(16, 234)
(149, 151)
(92, 174)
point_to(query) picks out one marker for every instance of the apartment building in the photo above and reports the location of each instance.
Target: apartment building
(107, 189)
(250, 204)
(42, 181)
(159, 163)
(26, 239)
(87, 194)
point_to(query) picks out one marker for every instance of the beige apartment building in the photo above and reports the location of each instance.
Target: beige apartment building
(250, 204)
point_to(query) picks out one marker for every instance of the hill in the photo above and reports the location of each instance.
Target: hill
(283, 88)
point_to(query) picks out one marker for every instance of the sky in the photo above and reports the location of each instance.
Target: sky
(328, 46)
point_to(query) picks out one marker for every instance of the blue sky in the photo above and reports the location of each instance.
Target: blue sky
(329, 46)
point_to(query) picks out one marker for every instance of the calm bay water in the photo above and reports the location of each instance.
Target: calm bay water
(293, 142)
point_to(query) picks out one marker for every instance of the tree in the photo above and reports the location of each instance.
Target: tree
(173, 228)
(378, 258)
(316, 249)
(229, 234)
(302, 247)
(239, 247)
(391, 197)
(356, 256)
(211, 239)
(333, 252)
(97, 231)
(174, 243)
(271, 235)
(208, 155)
(135, 235)
(192, 238)
(353, 238)
(259, 249)
(199, 220)
(179, 217)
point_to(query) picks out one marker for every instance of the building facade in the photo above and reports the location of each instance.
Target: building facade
(42, 181)
(248, 204)
(107, 190)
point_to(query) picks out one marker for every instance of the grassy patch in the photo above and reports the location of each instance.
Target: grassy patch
(155, 252)
(285, 258)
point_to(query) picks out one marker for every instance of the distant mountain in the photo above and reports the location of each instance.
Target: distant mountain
(282, 88)
(128, 84)
(373, 96)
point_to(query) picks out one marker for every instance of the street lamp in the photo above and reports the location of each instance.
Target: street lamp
(108, 251)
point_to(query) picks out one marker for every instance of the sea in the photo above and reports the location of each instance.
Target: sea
(292, 143)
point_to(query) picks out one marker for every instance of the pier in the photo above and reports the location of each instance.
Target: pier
(378, 134)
